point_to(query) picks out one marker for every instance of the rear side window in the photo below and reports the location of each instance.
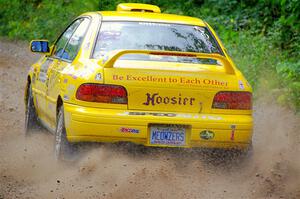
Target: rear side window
(76, 39)
(64, 38)
(154, 36)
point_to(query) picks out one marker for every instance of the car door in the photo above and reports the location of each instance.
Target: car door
(66, 57)
(42, 77)
(40, 86)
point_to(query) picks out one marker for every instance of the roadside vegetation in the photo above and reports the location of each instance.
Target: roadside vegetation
(263, 37)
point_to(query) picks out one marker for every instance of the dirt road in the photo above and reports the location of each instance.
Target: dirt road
(28, 170)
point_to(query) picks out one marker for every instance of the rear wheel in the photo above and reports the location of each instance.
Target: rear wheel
(63, 149)
(31, 119)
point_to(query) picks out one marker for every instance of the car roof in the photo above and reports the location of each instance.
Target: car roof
(149, 17)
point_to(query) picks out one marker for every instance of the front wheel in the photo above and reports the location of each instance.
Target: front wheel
(63, 149)
(31, 119)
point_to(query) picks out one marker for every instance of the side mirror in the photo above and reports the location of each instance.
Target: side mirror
(39, 46)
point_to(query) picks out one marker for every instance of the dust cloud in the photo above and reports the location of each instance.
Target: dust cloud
(28, 169)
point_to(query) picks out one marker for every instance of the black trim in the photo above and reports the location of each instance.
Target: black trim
(218, 45)
(96, 38)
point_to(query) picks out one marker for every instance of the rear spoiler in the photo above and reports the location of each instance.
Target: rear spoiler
(110, 61)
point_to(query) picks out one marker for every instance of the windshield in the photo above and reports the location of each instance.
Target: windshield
(154, 36)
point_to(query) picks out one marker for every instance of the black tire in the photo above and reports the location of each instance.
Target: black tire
(31, 119)
(63, 149)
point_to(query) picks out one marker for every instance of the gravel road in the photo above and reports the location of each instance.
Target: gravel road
(28, 170)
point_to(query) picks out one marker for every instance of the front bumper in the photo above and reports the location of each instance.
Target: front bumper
(87, 124)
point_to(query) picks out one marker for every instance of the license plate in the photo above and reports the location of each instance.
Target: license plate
(168, 135)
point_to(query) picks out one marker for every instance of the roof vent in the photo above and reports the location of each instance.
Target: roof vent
(138, 7)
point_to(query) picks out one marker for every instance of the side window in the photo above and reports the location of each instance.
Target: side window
(76, 39)
(61, 42)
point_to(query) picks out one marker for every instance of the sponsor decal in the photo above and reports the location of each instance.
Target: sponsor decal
(98, 77)
(155, 99)
(204, 82)
(181, 115)
(110, 35)
(241, 85)
(233, 127)
(66, 97)
(210, 117)
(207, 135)
(154, 114)
(129, 130)
(154, 24)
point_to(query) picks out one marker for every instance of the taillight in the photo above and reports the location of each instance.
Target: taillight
(233, 100)
(103, 93)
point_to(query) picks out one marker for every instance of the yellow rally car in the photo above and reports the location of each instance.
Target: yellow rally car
(137, 75)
